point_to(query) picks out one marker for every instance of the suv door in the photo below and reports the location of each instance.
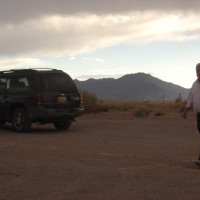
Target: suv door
(23, 88)
(4, 97)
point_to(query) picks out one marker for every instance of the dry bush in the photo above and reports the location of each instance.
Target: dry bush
(135, 108)
(142, 111)
(89, 101)
(141, 108)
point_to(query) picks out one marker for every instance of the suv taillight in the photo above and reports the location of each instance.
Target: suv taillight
(39, 98)
(81, 98)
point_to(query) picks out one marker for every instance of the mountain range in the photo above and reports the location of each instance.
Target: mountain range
(139, 86)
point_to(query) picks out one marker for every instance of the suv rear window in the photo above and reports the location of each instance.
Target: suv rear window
(58, 82)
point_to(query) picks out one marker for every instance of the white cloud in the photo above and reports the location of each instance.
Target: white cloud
(94, 59)
(15, 63)
(99, 60)
(99, 76)
(20, 10)
(70, 35)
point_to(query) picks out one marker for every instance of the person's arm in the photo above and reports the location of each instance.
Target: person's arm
(189, 105)
(184, 114)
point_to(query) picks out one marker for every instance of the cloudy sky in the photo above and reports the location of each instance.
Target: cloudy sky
(107, 38)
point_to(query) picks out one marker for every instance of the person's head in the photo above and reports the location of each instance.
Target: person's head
(198, 71)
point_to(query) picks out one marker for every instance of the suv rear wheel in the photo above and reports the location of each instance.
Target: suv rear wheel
(20, 120)
(62, 125)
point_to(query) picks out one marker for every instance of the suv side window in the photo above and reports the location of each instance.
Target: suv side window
(24, 83)
(4, 83)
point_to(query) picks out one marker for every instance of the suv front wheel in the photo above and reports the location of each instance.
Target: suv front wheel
(62, 125)
(20, 120)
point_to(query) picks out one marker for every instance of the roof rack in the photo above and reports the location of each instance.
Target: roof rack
(42, 68)
(25, 70)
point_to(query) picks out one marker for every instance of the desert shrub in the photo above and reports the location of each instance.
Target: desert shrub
(142, 111)
(89, 100)
(180, 104)
(136, 108)
(91, 103)
(159, 113)
(116, 105)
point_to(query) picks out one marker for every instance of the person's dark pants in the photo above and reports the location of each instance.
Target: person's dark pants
(198, 126)
(198, 122)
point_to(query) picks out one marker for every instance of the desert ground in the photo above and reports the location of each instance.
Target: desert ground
(102, 157)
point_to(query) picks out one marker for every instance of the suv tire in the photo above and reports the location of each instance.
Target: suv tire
(20, 120)
(62, 125)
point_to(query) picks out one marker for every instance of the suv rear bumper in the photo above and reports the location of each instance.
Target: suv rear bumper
(41, 112)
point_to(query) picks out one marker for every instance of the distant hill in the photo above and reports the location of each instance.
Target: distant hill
(139, 86)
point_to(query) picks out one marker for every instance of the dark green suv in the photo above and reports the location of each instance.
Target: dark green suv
(38, 96)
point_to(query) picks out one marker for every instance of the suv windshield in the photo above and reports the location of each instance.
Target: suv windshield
(58, 82)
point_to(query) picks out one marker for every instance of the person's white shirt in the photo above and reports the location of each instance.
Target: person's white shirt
(193, 100)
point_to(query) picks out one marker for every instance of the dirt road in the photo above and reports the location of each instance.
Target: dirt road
(102, 158)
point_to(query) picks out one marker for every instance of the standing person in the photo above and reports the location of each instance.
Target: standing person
(193, 102)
